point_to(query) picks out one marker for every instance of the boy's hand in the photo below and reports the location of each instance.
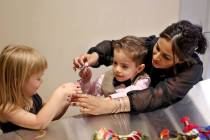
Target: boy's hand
(85, 74)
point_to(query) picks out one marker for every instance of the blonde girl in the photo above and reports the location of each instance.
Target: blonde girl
(21, 70)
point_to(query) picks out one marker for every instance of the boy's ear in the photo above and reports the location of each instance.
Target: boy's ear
(140, 68)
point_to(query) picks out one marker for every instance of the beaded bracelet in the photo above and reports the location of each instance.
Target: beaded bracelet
(121, 105)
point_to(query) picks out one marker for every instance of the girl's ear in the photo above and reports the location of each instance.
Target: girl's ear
(140, 68)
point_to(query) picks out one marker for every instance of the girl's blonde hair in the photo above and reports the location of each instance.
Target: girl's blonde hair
(17, 64)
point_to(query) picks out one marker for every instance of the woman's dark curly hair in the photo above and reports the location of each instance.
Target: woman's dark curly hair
(187, 39)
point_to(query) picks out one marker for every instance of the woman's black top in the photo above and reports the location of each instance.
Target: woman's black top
(167, 85)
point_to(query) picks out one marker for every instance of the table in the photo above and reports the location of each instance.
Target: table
(196, 105)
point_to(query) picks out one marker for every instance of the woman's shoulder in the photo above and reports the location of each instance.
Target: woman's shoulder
(196, 64)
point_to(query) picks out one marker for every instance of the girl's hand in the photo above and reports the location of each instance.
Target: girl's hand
(90, 59)
(67, 90)
(93, 104)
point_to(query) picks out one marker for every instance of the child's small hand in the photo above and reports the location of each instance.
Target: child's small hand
(67, 90)
(85, 74)
(76, 89)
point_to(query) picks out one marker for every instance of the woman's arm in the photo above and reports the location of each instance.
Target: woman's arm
(102, 53)
(57, 102)
(97, 105)
(165, 92)
(105, 51)
(96, 56)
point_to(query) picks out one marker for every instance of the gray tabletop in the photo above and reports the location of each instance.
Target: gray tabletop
(196, 105)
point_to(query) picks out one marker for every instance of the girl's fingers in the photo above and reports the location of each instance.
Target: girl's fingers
(73, 85)
(80, 96)
(79, 91)
(77, 85)
(77, 88)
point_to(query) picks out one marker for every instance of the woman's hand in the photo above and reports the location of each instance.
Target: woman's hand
(90, 59)
(93, 104)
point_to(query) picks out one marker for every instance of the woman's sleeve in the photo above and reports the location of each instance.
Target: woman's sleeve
(166, 92)
(105, 51)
